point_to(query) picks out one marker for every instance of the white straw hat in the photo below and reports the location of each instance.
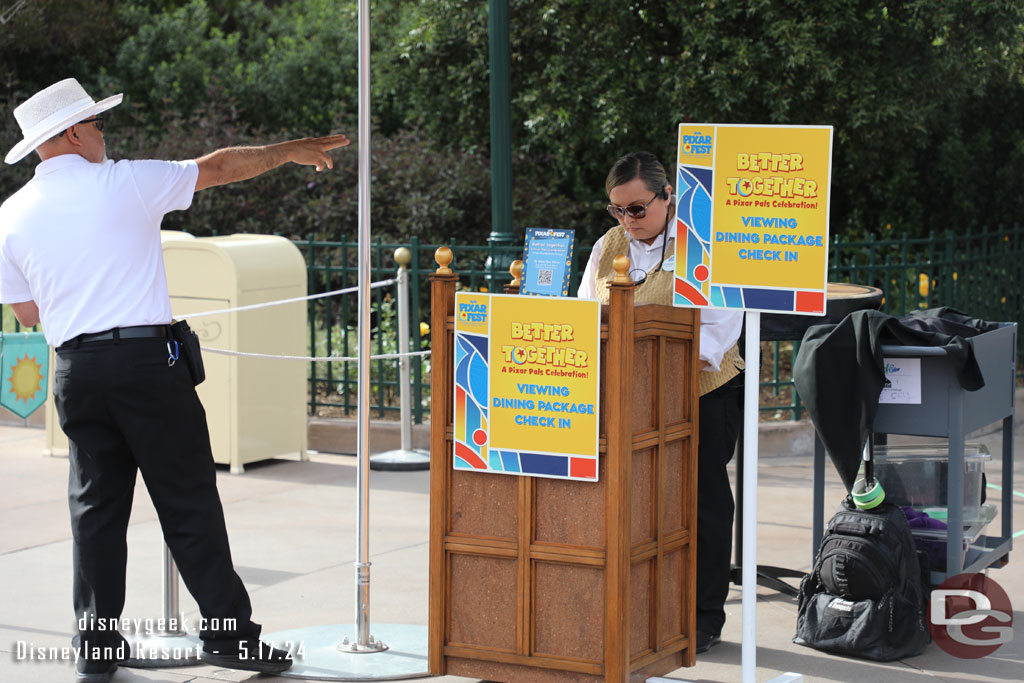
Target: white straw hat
(50, 111)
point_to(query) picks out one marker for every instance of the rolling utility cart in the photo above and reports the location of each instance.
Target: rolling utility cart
(945, 409)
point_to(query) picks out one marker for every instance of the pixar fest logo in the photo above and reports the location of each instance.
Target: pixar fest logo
(473, 312)
(698, 143)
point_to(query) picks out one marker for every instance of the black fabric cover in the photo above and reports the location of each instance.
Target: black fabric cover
(839, 371)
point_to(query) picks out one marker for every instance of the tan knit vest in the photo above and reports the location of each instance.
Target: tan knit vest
(657, 289)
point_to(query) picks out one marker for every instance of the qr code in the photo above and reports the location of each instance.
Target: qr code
(544, 277)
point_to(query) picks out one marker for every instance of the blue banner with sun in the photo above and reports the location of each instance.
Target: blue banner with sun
(25, 360)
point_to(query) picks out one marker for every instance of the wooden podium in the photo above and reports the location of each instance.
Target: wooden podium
(535, 579)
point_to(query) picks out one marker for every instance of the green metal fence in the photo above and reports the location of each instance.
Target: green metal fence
(980, 273)
(332, 321)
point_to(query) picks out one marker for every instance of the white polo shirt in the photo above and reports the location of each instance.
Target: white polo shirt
(82, 240)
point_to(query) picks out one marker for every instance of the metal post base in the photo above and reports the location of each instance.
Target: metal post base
(373, 646)
(400, 460)
(326, 659)
(163, 651)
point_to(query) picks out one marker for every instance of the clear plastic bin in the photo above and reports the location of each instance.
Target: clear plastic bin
(933, 541)
(916, 476)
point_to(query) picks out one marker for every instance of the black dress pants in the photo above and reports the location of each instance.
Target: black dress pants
(125, 411)
(721, 413)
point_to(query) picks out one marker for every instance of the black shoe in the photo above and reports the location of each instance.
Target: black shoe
(705, 641)
(94, 670)
(248, 655)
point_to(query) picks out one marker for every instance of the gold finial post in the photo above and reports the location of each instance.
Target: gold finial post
(403, 257)
(516, 270)
(443, 256)
(621, 266)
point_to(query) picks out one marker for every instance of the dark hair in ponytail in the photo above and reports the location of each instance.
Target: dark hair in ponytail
(643, 165)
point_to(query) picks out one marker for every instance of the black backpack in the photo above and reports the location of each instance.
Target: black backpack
(865, 596)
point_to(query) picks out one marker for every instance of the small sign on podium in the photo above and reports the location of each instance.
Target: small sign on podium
(547, 260)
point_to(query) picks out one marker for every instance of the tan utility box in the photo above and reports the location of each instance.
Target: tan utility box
(255, 407)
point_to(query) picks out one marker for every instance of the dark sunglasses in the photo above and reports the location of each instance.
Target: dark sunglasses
(633, 210)
(97, 120)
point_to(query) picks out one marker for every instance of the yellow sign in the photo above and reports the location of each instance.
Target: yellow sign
(752, 217)
(527, 385)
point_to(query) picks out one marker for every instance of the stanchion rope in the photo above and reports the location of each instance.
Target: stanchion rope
(267, 304)
(326, 359)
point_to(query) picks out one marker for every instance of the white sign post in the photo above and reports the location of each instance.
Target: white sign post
(751, 386)
(752, 235)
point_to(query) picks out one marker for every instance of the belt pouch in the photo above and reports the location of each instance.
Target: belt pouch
(188, 344)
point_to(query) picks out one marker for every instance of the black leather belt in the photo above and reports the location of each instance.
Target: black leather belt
(134, 332)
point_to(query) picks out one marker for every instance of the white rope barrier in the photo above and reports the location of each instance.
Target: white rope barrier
(326, 359)
(267, 304)
(307, 359)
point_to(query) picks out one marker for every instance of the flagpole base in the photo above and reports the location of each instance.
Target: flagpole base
(319, 653)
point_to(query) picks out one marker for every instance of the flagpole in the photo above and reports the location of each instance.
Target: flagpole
(326, 652)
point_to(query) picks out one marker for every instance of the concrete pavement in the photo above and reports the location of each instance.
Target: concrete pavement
(292, 527)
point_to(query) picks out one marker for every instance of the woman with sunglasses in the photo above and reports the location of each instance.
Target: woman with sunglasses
(641, 201)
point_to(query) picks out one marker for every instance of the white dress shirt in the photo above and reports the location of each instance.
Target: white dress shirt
(719, 329)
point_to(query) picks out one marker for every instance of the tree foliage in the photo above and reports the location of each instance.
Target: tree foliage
(920, 93)
(911, 88)
(289, 67)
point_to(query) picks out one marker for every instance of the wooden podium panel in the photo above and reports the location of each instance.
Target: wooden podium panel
(535, 579)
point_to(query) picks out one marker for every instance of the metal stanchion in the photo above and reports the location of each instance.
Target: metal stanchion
(405, 458)
(168, 645)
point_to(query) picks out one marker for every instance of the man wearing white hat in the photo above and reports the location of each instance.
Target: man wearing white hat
(80, 252)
